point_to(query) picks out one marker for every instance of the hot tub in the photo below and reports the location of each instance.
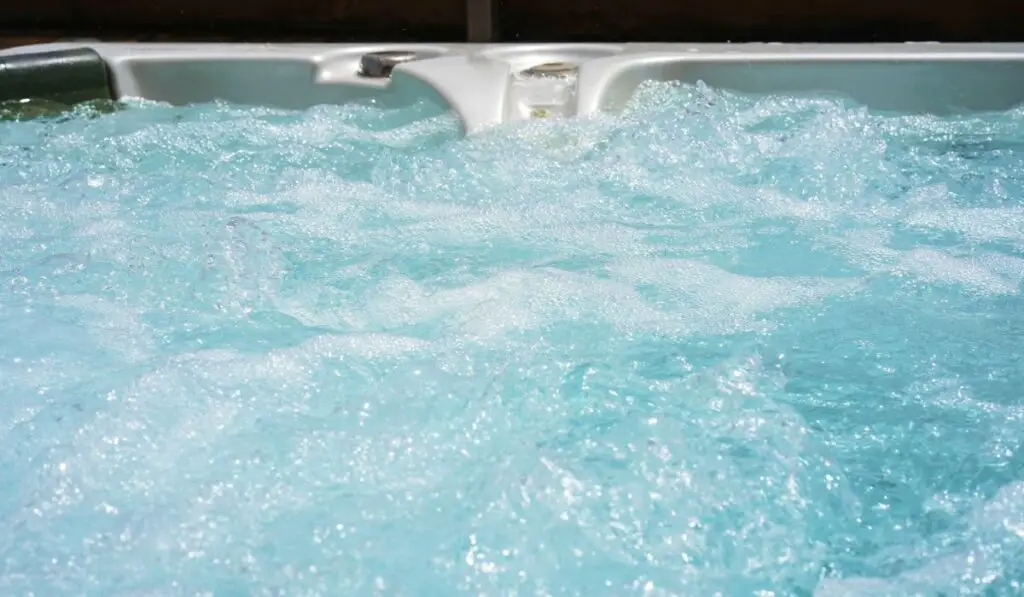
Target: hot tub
(490, 84)
(561, 319)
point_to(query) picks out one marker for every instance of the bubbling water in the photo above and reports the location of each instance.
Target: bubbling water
(714, 345)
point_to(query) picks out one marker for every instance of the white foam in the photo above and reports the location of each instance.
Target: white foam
(294, 364)
(983, 272)
(934, 266)
(977, 224)
(716, 300)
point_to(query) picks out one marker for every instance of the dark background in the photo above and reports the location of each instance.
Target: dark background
(27, 21)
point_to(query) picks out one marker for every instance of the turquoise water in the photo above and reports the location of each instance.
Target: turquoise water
(716, 345)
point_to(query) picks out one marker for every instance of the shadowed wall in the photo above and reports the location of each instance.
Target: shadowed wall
(517, 20)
